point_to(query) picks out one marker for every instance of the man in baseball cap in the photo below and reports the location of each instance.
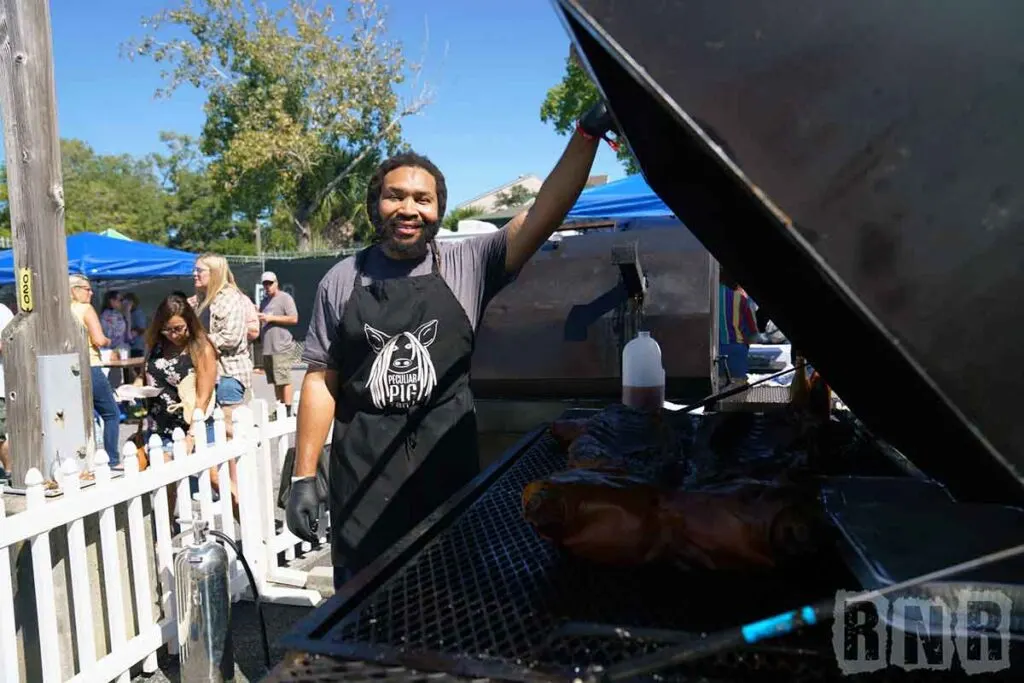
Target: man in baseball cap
(280, 351)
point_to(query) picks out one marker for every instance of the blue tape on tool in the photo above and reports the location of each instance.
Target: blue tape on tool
(780, 623)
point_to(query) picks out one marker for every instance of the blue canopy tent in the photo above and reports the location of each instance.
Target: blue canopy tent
(630, 202)
(109, 258)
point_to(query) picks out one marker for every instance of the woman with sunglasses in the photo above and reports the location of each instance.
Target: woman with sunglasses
(178, 346)
(103, 401)
(182, 363)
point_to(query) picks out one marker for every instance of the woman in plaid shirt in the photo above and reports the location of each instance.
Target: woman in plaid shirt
(224, 309)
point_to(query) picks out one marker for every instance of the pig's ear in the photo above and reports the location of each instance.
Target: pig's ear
(427, 332)
(376, 338)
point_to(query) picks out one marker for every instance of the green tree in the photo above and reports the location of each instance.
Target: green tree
(517, 195)
(104, 191)
(198, 215)
(295, 105)
(566, 102)
(111, 191)
(201, 216)
(341, 219)
(451, 221)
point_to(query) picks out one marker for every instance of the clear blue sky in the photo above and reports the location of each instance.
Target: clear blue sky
(490, 64)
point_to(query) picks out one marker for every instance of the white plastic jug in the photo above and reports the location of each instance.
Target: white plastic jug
(643, 377)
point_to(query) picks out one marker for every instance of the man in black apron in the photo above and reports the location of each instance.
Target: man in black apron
(389, 349)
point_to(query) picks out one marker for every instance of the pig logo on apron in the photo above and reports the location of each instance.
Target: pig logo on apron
(402, 375)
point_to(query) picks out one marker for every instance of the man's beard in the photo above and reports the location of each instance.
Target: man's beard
(406, 250)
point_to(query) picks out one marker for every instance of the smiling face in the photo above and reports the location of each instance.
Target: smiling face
(408, 209)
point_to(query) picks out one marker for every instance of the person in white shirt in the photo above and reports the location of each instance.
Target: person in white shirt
(6, 316)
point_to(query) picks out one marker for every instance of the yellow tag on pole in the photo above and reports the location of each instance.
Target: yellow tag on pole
(25, 289)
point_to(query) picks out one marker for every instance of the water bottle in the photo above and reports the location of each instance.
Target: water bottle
(643, 377)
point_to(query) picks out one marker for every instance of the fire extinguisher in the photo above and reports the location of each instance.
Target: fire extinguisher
(204, 609)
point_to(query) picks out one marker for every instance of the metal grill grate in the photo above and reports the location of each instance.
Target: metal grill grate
(762, 398)
(489, 588)
(317, 669)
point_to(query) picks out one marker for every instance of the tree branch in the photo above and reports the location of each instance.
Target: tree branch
(414, 107)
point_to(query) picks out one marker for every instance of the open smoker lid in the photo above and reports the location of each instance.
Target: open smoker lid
(889, 140)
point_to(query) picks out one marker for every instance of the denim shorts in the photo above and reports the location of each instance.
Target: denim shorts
(230, 392)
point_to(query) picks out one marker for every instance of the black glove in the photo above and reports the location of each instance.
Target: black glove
(303, 512)
(598, 122)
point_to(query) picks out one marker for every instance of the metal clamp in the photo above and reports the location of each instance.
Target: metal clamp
(627, 258)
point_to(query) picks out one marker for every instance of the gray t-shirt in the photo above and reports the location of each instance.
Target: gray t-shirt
(277, 338)
(473, 268)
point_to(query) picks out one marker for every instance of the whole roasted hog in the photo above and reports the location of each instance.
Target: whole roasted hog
(612, 517)
(626, 440)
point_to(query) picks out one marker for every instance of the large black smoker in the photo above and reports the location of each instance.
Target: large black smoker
(877, 212)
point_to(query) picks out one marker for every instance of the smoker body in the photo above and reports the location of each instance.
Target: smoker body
(204, 610)
(474, 593)
(874, 202)
(557, 332)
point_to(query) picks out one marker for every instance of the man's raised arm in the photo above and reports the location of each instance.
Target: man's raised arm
(530, 229)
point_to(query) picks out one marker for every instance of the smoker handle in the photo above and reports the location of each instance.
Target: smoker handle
(582, 316)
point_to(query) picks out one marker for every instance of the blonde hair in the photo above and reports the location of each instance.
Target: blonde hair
(77, 281)
(220, 278)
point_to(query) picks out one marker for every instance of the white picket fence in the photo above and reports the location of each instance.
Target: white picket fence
(280, 583)
(115, 607)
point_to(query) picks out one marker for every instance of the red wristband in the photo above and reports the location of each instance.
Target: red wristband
(585, 134)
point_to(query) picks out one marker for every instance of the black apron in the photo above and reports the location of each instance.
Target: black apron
(404, 427)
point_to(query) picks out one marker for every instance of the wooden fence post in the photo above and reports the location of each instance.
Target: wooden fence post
(49, 395)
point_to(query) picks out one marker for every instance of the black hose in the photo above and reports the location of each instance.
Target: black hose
(255, 591)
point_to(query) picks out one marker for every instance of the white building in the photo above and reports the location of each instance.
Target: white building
(485, 203)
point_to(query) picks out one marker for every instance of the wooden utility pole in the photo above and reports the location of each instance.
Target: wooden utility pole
(46, 364)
